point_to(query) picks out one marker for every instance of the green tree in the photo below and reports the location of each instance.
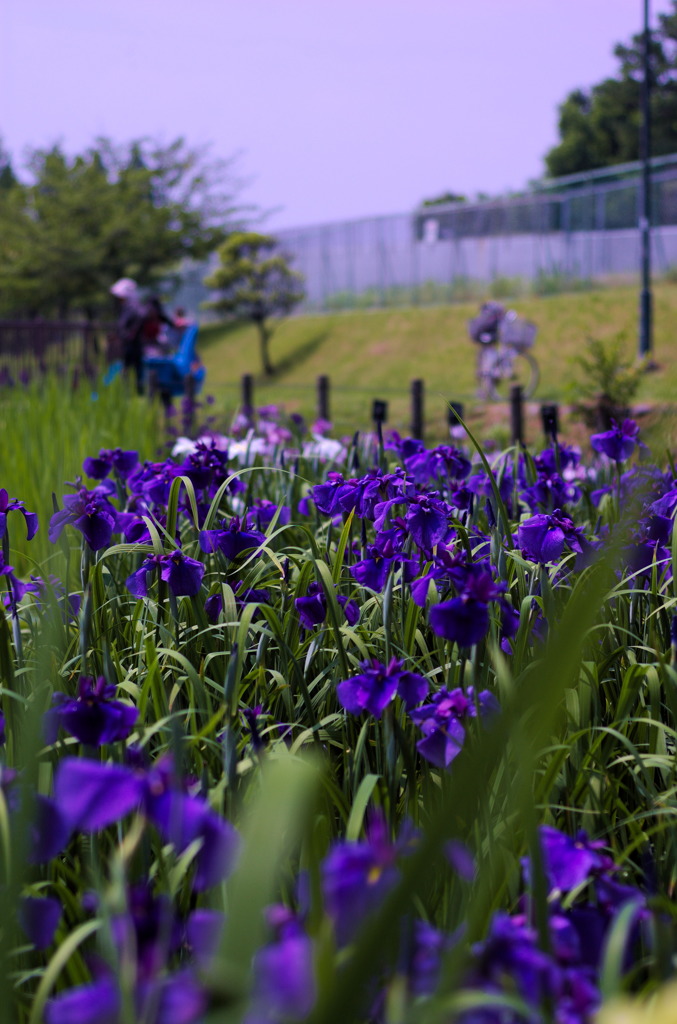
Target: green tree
(445, 198)
(114, 211)
(256, 283)
(600, 126)
(8, 178)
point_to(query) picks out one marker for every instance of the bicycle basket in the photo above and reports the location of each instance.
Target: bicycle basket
(518, 334)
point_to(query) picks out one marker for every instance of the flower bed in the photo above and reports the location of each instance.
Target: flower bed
(341, 732)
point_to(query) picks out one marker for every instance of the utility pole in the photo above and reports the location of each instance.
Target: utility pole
(645, 299)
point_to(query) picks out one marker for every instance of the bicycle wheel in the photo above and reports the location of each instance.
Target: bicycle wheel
(523, 370)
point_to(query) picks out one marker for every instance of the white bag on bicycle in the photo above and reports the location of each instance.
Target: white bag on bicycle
(517, 334)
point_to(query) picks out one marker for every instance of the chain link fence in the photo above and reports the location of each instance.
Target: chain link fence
(565, 233)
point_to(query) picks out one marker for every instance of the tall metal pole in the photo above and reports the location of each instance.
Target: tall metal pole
(645, 299)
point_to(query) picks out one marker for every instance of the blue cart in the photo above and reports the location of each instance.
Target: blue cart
(179, 373)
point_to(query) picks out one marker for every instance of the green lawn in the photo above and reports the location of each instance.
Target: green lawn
(375, 354)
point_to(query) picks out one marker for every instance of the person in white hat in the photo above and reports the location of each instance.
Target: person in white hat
(129, 326)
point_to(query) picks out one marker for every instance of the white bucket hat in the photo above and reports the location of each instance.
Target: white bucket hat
(125, 288)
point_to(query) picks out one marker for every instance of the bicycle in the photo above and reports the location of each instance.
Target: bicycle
(504, 359)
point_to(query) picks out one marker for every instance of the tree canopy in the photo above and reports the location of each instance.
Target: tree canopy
(79, 223)
(445, 198)
(255, 283)
(600, 126)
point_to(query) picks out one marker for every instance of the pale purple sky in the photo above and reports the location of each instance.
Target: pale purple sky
(338, 108)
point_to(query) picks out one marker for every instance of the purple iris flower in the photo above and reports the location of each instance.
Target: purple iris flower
(16, 588)
(42, 589)
(183, 574)
(480, 484)
(149, 929)
(425, 958)
(123, 462)
(427, 519)
(251, 718)
(203, 935)
(441, 722)
(618, 443)
(243, 597)
(6, 506)
(91, 513)
(511, 951)
(356, 877)
(465, 619)
(377, 684)
(232, 541)
(564, 456)
(441, 463)
(312, 607)
(96, 1003)
(175, 999)
(461, 859)
(372, 571)
(207, 467)
(658, 528)
(181, 819)
(284, 982)
(262, 512)
(39, 917)
(404, 446)
(359, 494)
(94, 717)
(550, 491)
(90, 795)
(442, 572)
(391, 541)
(666, 504)
(542, 537)
(50, 831)
(153, 480)
(570, 862)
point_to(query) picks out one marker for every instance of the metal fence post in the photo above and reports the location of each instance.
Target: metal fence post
(417, 418)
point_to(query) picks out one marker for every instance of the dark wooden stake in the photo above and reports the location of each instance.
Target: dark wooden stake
(550, 421)
(417, 419)
(323, 397)
(516, 415)
(247, 394)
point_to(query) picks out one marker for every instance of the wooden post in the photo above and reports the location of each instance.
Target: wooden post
(323, 397)
(456, 431)
(247, 394)
(550, 421)
(417, 418)
(379, 411)
(454, 408)
(516, 415)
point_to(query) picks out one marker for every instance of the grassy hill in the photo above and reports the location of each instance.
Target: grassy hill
(375, 354)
